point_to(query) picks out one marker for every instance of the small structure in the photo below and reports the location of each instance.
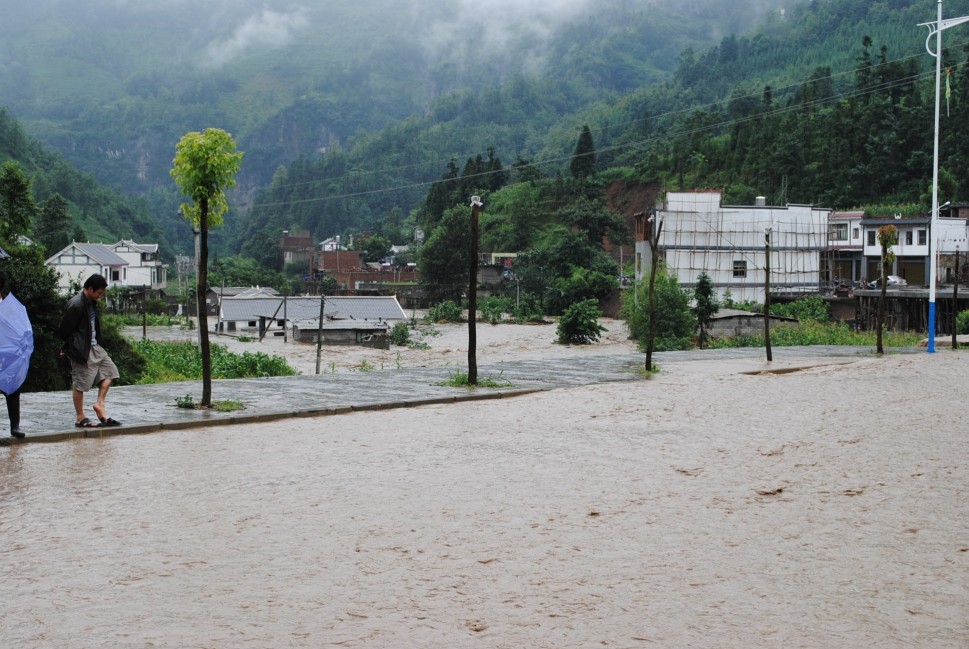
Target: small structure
(347, 319)
(735, 322)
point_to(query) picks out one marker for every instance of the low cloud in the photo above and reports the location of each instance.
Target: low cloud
(265, 30)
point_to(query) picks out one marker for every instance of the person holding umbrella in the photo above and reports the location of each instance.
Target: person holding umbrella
(80, 329)
(16, 346)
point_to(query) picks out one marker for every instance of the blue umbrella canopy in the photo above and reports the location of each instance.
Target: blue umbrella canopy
(16, 344)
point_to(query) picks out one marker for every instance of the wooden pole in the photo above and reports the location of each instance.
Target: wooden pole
(770, 356)
(955, 302)
(651, 303)
(319, 331)
(473, 294)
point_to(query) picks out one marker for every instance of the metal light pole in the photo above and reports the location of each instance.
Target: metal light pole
(935, 29)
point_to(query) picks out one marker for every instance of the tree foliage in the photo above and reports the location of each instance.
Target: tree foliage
(204, 168)
(675, 322)
(579, 324)
(705, 306)
(17, 206)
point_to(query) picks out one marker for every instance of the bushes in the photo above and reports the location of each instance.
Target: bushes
(182, 361)
(962, 322)
(579, 325)
(446, 311)
(400, 334)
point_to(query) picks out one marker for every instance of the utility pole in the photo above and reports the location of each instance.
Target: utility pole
(770, 356)
(319, 331)
(955, 302)
(657, 229)
(473, 293)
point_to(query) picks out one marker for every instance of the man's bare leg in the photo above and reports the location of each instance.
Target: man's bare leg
(78, 398)
(98, 406)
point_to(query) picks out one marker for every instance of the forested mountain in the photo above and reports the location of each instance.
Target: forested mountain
(347, 113)
(113, 85)
(71, 204)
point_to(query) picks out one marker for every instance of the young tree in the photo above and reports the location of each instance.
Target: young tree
(583, 162)
(444, 257)
(204, 167)
(887, 237)
(17, 206)
(706, 305)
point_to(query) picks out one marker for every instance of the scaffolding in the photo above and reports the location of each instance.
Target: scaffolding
(727, 243)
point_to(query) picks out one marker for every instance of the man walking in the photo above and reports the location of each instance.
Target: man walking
(80, 329)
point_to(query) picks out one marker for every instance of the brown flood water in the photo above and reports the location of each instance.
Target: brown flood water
(574, 518)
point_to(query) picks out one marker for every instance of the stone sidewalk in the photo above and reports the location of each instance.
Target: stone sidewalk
(49, 416)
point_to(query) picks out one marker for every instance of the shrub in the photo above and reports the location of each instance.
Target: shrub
(806, 309)
(962, 322)
(400, 334)
(446, 311)
(579, 325)
(675, 322)
(494, 307)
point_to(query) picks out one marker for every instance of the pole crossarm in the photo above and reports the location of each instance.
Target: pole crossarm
(937, 26)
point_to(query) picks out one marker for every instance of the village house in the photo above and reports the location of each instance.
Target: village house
(699, 235)
(347, 319)
(125, 263)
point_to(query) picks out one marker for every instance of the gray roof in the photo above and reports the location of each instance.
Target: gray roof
(141, 247)
(364, 308)
(100, 253)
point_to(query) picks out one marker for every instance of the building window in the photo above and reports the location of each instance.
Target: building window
(922, 238)
(871, 237)
(739, 268)
(115, 276)
(855, 233)
(839, 232)
(908, 237)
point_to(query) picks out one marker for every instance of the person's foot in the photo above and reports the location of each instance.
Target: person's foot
(16, 432)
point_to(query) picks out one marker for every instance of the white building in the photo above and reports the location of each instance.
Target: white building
(144, 267)
(125, 263)
(699, 235)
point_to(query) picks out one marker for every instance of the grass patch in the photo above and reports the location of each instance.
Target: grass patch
(819, 333)
(228, 405)
(460, 380)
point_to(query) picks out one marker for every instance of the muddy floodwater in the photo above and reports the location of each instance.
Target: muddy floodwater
(696, 509)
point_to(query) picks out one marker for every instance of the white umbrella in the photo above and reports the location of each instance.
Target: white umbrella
(16, 344)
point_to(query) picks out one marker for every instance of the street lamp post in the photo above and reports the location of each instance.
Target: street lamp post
(935, 29)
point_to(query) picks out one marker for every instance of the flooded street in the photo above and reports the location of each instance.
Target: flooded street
(658, 513)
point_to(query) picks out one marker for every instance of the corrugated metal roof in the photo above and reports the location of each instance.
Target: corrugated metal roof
(381, 307)
(100, 253)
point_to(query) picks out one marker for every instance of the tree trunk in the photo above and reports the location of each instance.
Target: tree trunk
(200, 291)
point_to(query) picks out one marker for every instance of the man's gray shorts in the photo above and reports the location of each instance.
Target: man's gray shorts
(99, 366)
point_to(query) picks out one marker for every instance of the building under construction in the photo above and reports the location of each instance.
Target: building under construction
(730, 244)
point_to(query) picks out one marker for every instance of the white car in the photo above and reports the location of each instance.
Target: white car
(893, 280)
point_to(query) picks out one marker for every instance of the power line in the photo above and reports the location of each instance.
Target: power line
(640, 143)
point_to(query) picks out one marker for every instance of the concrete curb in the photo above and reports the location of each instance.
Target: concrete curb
(210, 418)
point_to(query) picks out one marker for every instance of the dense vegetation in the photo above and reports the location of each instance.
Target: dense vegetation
(827, 102)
